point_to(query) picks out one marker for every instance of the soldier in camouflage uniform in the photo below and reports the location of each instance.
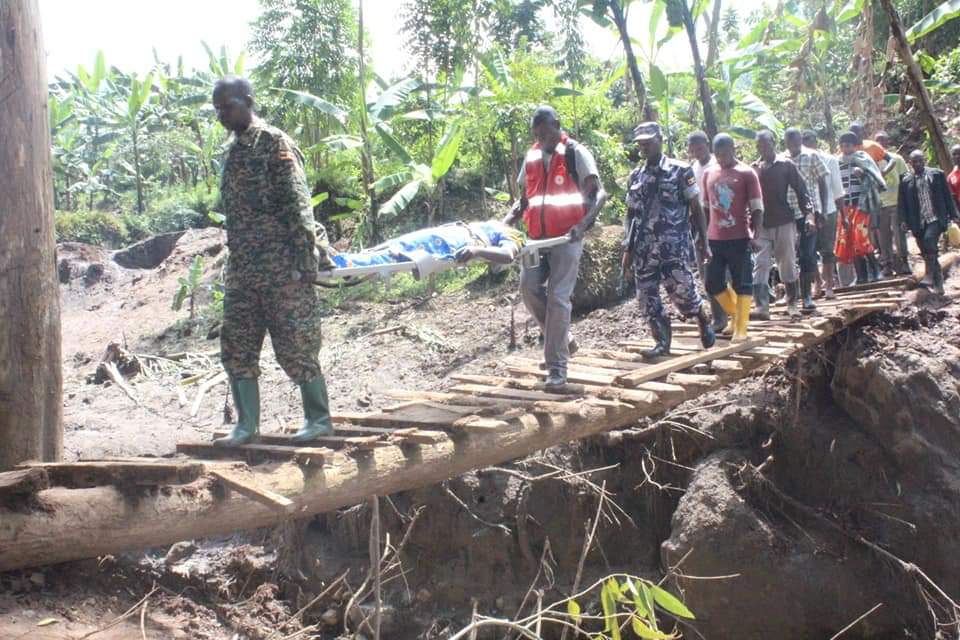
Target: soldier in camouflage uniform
(276, 250)
(662, 196)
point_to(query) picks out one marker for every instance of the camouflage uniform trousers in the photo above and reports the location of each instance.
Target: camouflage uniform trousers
(665, 261)
(290, 313)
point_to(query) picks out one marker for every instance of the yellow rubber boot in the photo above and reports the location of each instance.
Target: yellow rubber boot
(727, 300)
(742, 319)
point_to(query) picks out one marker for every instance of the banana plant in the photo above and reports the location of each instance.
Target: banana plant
(416, 177)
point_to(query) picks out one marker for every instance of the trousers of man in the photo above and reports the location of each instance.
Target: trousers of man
(665, 262)
(827, 238)
(289, 313)
(547, 290)
(806, 248)
(776, 245)
(890, 236)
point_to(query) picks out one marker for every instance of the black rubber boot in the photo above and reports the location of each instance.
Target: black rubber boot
(793, 296)
(720, 317)
(806, 292)
(662, 333)
(708, 337)
(929, 272)
(874, 266)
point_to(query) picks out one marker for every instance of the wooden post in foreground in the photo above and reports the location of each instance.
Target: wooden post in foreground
(30, 367)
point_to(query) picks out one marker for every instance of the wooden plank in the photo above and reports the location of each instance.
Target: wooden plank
(901, 281)
(537, 401)
(23, 482)
(97, 473)
(437, 416)
(272, 499)
(315, 455)
(643, 395)
(679, 363)
(575, 376)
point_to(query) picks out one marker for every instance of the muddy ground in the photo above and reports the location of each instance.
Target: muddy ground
(865, 450)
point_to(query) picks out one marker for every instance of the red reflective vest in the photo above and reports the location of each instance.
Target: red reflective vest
(554, 202)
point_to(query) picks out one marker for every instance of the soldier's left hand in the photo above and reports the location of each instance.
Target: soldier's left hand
(705, 254)
(576, 233)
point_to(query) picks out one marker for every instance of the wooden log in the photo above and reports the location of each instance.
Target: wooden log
(437, 417)
(679, 363)
(249, 489)
(133, 472)
(71, 524)
(23, 482)
(891, 283)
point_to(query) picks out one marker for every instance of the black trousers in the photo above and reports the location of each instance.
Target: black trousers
(735, 256)
(806, 248)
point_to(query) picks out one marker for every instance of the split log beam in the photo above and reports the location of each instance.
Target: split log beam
(71, 524)
(252, 452)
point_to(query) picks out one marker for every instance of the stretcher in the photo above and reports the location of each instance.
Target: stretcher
(421, 264)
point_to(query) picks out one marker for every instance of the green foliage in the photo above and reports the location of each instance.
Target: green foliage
(189, 287)
(941, 15)
(100, 228)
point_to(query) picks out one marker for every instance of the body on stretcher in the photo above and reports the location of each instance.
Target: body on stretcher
(433, 250)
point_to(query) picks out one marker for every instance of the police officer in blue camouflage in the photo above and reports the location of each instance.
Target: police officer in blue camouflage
(662, 197)
(276, 250)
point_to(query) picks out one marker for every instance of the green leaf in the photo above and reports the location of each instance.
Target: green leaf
(658, 82)
(447, 150)
(393, 96)
(609, 595)
(238, 63)
(99, 70)
(849, 11)
(927, 62)
(671, 603)
(393, 180)
(497, 70)
(573, 610)
(755, 35)
(350, 203)
(317, 103)
(180, 296)
(656, 13)
(642, 630)
(319, 198)
(46, 622)
(134, 102)
(401, 199)
(943, 14)
(383, 130)
(216, 217)
(342, 142)
(562, 92)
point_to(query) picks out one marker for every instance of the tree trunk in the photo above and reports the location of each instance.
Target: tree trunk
(713, 29)
(620, 19)
(366, 155)
(934, 126)
(706, 97)
(30, 366)
(70, 524)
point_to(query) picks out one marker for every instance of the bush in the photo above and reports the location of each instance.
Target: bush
(181, 209)
(92, 227)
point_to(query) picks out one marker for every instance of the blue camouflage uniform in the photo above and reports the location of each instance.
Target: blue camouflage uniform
(658, 216)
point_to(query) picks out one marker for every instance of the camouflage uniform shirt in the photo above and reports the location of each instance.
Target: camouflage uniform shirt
(271, 233)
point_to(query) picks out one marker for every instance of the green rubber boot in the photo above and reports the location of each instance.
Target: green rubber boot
(246, 397)
(316, 411)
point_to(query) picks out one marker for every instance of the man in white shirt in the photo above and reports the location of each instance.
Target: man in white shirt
(827, 234)
(701, 157)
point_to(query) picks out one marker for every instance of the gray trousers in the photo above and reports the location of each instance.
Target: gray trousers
(888, 233)
(777, 244)
(546, 291)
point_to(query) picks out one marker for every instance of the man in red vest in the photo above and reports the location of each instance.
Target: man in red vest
(562, 196)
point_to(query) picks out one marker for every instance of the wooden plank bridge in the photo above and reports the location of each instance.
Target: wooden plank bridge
(54, 512)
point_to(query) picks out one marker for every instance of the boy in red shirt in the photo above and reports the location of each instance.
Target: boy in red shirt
(734, 203)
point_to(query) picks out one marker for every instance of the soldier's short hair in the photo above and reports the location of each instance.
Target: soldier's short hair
(234, 85)
(791, 133)
(849, 137)
(809, 134)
